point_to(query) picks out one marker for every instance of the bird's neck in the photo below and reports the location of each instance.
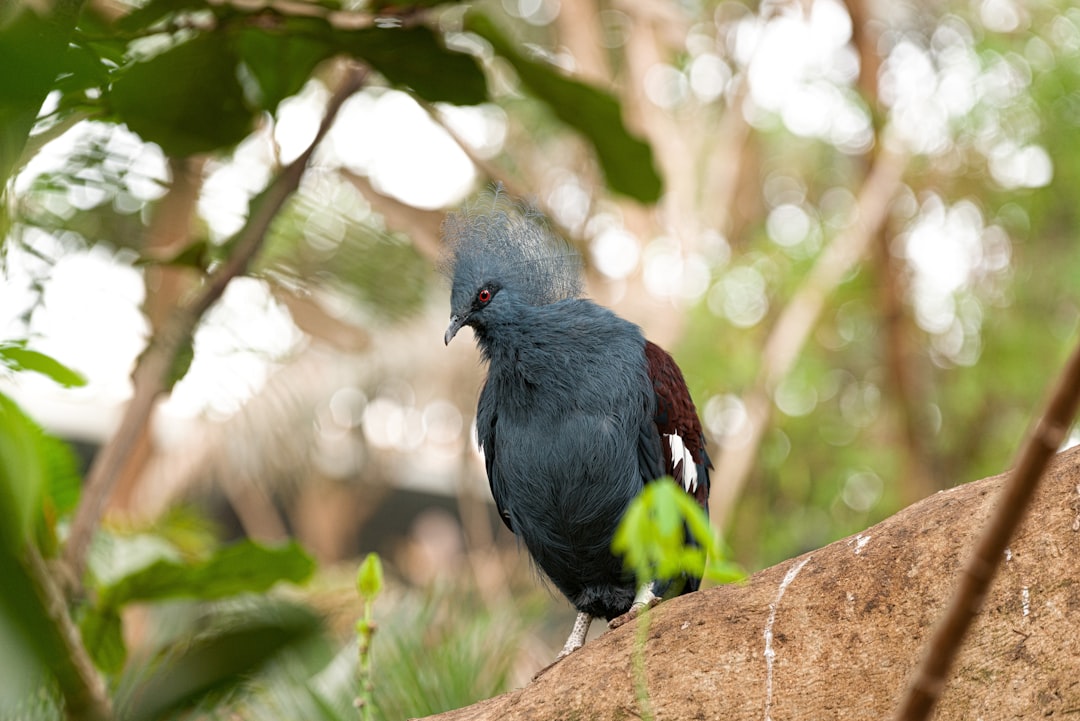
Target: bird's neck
(516, 351)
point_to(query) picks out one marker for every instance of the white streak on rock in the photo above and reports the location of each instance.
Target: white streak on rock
(770, 653)
(860, 543)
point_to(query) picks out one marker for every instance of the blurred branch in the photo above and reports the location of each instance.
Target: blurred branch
(579, 29)
(503, 180)
(864, 37)
(83, 688)
(725, 162)
(154, 367)
(169, 232)
(310, 316)
(487, 168)
(902, 389)
(798, 319)
(1048, 434)
(422, 226)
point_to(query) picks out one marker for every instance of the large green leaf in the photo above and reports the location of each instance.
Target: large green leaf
(29, 641)
(665, 533)
(18, 357)
(245, 567)
(282, 58)
(627, 161)
(198, 671)
(187, 99)
(102, 634)
(60, 495)
(416, 58)
(33, 48)
(22, 474)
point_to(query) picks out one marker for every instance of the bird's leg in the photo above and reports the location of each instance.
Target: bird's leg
(645, 598)
(576, 641)
(577, 635)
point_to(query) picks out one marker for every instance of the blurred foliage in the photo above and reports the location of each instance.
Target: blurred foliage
(923, 372)
(848, 445)
(626, 160)
(436, 650)
(219, 657)
(469, 645)
(665, 534)
(327, 239)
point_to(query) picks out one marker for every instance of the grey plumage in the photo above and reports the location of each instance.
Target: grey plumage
(567, 418)
(511, 242)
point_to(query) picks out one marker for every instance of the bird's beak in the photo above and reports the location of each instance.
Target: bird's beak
(456, 321)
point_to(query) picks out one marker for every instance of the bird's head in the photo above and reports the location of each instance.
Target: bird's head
(502, 257)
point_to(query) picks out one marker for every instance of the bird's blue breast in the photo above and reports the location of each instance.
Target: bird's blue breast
(560, 420)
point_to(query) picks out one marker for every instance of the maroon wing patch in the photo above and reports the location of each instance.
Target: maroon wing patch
(685, 458)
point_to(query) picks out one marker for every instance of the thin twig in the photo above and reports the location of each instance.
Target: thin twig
(150, 377)
(1043, 442)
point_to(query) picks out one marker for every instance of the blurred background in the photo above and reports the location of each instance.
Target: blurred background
(852, 223)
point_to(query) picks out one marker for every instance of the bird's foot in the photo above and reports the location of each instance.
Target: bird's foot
(567, 650)
(630, 615)
(573, 643)
(645, 599)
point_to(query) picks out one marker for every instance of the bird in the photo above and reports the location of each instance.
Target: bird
(578, 412)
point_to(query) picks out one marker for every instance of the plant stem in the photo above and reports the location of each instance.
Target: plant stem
(641, 680)
(365, 629)
(82, 687)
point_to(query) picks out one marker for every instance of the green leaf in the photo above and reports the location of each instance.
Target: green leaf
(83, 69)
(33, 48)
(102, 634)
(181, 363)
(627, 161)
(282, 58)
(718, 570)
(197, 255)
(666, 509)
(369, 579)
(665, 533)
(20, 358)
(29, 639)
(60, 495)
(22, 474)
(199, 671)
(187, 99)
(245, 567)
(416, 58)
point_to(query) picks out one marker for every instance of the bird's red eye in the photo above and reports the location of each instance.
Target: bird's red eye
(484, 295)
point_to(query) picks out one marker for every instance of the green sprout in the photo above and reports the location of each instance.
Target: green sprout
(369, 582)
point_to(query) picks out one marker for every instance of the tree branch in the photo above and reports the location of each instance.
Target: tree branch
(82, 687)
(1045, 438)
(152, 371)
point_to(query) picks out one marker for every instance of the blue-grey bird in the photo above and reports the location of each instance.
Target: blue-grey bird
(578, 413)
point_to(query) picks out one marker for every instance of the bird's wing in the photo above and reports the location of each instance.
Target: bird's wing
(486, 419)
(676, 422)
